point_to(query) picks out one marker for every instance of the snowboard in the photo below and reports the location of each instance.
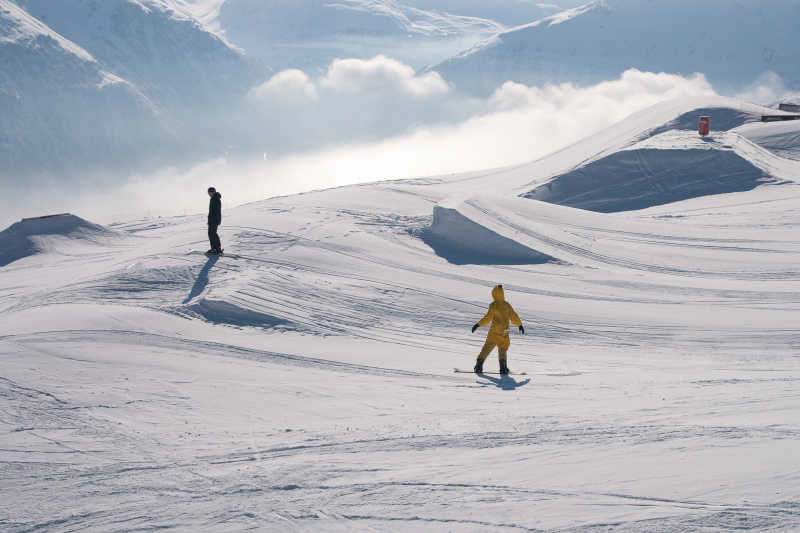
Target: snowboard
(463, 371)
(223, 254)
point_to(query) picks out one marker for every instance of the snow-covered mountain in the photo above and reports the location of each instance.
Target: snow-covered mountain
(508, 12)
(732, 43)
(113, 86)
(185, 69)
(311, 33)
(60, 104)
(153, 43)
(304, 381)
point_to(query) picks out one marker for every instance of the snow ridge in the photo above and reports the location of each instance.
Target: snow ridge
(552, 20)
(419, 21)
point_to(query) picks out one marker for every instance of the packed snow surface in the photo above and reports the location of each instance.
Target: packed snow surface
(304, 381)
(782, 138)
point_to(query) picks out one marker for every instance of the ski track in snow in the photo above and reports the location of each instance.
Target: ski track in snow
(305, 382)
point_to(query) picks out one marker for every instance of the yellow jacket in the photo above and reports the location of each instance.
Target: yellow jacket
(500, 315)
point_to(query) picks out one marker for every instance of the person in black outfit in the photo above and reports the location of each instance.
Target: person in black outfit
(214, 220)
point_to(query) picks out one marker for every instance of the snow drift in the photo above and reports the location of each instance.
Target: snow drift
(780, 138)
(222, 312)
(34, 235)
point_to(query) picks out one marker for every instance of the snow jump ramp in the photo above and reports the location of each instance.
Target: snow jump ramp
(462, 241)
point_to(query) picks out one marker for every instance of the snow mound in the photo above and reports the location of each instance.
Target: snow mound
(222, 312)
(723, 118)
(780, 138)
(30, 236)
(639, 127)
(669, 167)
(462, 241)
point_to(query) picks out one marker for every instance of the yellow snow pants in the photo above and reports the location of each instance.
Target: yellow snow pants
(502, 342)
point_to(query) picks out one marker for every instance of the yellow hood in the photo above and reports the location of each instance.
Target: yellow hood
(497, 293)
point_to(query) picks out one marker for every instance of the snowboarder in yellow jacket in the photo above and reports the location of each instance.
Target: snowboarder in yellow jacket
(500, 315)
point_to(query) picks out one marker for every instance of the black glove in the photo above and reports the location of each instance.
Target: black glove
(522, 330)
(476, 326)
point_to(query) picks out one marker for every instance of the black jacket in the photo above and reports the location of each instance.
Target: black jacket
(215, 210)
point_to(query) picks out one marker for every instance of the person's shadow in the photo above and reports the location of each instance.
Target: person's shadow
(202, 279)
(506, 382)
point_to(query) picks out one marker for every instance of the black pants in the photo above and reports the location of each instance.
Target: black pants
(213, 237)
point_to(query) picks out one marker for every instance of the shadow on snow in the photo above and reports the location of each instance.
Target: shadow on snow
(506, 382)
(202, 279)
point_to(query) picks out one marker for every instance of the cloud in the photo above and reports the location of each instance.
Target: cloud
(354, 100)
(359, 101)
(378, 78)
(380, 75)
(768, 89)
(633, 89)
(523, 123)
(289, 85)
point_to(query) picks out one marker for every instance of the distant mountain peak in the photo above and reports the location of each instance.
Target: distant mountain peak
(551, 20)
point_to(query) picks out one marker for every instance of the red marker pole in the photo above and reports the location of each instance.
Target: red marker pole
(704, 126)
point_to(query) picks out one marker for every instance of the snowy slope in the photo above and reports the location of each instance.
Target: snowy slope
(442, 16)
(782, 138)
(206, 11)
(672, 162)
(304, 381)
(672, 166)
(310, 34)
(508, 12)
(726, 114)
(17, 25)
(731, 43)
(60, 104)
(155, 44)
